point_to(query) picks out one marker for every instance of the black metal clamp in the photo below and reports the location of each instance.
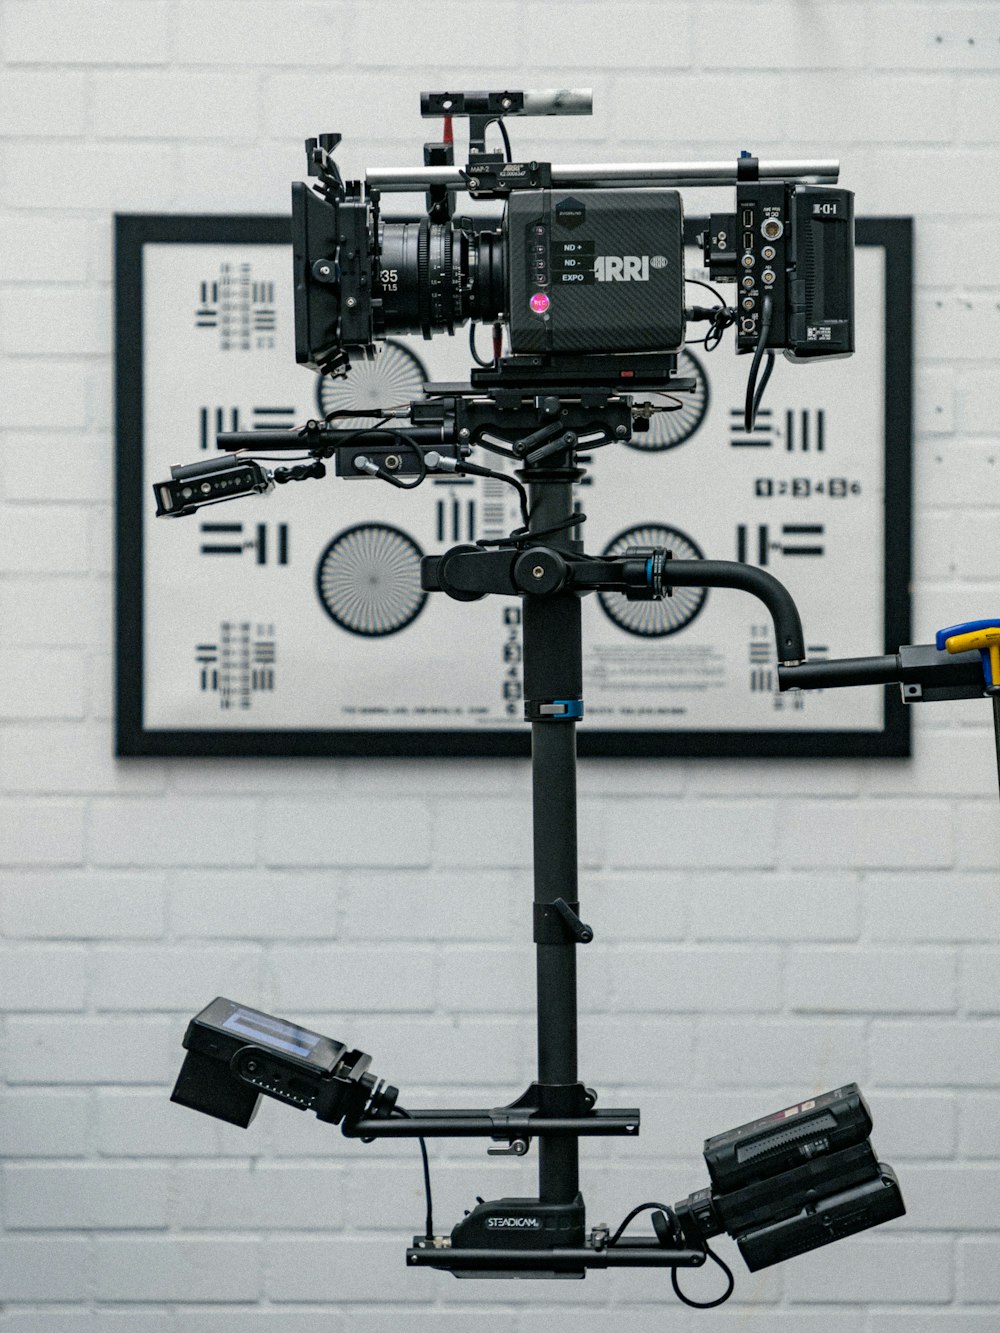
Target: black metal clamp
(544, 1110)
(556, 921)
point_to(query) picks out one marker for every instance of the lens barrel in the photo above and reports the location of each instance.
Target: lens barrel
(432, 277)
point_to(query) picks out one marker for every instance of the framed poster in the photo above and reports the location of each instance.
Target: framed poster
(295, 624)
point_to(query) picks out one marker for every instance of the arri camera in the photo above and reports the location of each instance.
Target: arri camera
(579, 271)
(582, 264)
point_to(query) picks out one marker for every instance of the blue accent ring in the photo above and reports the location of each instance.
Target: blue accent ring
(574, 710)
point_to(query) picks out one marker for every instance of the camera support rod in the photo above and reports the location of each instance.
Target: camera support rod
(546, 566)
(676, 174)
(553, 694)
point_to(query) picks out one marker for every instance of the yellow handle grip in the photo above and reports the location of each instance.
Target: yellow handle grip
(985, 640)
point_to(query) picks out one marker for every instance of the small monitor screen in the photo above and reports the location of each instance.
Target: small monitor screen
(272, 1032)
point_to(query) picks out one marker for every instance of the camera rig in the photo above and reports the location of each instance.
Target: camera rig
(584, 264)
(807, 1175)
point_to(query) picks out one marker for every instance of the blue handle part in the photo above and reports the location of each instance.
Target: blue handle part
(984, 636)
(968, 627)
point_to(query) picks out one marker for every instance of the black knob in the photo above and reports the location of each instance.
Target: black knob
(540, 572)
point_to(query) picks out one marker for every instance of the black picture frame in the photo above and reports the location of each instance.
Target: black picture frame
(134, 509)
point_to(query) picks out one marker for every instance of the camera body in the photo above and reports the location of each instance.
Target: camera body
(594, 271)
(587, 272)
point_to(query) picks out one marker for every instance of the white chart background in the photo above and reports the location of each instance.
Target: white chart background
(241, 640)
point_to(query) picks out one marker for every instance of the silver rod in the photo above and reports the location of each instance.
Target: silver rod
(679, 174)
(558, 102)
(689, 173)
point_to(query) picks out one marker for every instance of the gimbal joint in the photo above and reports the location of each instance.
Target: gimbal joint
(540, 571)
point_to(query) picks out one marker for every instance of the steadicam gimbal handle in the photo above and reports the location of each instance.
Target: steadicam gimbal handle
(757, 582)
(468, 572)
(925, 673)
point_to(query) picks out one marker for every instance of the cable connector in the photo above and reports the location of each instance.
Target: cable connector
(440, 462)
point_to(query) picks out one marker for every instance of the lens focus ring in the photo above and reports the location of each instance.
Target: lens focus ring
(433, 276)
(423, 286)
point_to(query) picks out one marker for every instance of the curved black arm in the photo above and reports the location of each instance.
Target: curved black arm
(732, 574)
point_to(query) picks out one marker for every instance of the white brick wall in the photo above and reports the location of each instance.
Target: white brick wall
(850, 928)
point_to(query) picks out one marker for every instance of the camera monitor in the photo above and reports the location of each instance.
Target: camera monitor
(235, 1053)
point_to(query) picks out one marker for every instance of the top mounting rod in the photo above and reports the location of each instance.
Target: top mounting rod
(541, 102)
(678, 174)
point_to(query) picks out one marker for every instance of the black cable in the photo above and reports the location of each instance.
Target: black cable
(504, 135)
(706, 1305)
(639, 1208)
(429, 1228)
(521, 535)
(346, 436)
(522, 494)
(472, 346)
(497, 449)
(672, 1216)
(475, 470)
(753, 398)
(421, 461)
(768, 367)
(721, 320)
(571, 522)
(712, 338)
(708, 288)
(317, 452)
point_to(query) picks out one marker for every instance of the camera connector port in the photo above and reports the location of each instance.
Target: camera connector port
(772, 228)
